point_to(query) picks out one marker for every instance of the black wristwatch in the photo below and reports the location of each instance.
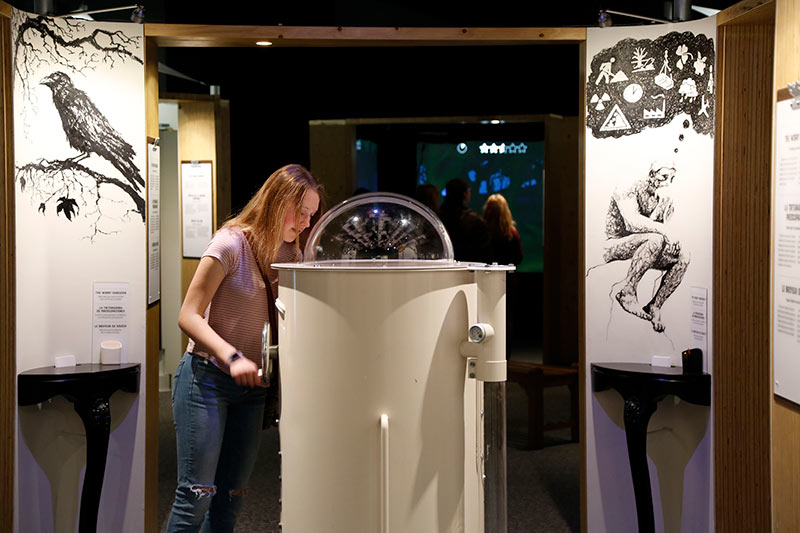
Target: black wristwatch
(236, 355)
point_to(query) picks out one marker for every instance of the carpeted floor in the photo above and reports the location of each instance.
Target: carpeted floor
(543, 485)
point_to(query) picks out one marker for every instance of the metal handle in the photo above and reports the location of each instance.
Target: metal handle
(269, 352)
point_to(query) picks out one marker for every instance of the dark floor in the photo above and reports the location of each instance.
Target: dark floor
(543, 485)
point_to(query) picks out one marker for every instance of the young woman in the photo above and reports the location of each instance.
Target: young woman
(503, 235)
(218, 399)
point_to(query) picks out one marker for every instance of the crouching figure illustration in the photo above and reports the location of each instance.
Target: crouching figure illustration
(636, 230)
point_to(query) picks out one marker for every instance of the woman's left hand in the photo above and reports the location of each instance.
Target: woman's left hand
(244, 372)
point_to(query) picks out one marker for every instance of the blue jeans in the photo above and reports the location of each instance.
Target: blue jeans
(218, 427)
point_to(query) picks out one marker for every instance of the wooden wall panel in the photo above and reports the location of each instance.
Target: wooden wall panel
(8, 371)
(742, 369)
(152, 321)
(786, 466)
(581, 267)
(560, 285)
(199, 35)
(333, 158)
(785, 414)
(197, 142)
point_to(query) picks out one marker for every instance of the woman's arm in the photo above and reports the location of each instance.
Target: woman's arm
(204, 285)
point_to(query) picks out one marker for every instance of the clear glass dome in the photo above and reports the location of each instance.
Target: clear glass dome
(383, 227)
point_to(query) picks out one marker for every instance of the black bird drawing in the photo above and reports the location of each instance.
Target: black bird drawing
(88, 131)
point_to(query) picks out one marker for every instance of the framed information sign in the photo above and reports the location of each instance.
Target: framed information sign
(786, 250)
(196, 207)
(153, 222)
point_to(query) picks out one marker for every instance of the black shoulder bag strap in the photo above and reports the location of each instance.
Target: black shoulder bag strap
(272, 405)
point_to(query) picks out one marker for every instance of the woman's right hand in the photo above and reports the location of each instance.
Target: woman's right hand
(244, 372)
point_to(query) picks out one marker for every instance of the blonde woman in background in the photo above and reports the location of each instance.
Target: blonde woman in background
(504, 241)
(506, 249)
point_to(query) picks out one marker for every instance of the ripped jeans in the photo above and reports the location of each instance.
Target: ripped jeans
(218, 427)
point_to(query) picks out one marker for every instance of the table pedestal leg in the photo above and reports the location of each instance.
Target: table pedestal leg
(96, 416)
(637, 415)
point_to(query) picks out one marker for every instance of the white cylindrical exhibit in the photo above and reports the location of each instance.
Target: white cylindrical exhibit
(367, 349)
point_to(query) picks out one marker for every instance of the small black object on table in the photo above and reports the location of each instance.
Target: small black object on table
(89, 388)
(642, 386)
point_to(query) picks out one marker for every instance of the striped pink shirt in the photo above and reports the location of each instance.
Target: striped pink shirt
(238, 309)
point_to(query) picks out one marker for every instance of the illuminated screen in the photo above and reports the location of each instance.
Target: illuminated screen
(366, 165)
(514, 169)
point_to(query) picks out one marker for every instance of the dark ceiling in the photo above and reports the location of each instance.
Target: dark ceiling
(430, 13)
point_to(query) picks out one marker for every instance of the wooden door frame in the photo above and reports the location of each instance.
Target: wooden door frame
(171, 35)
(8, 370)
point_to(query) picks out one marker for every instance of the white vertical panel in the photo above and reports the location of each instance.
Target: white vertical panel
(100, 93)
(633, 73)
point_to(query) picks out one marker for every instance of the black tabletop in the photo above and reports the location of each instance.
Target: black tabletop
(647, 368)
(39, 384)
(653, 381)
(90, 368)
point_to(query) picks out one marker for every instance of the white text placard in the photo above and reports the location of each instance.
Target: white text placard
(196, 207)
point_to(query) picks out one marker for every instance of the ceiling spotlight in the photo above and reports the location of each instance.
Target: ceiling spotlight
(264, 43)
(603, 19)
(138, 15)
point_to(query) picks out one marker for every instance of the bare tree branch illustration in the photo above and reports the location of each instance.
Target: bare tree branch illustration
(67, 182)
(66, 43)
(62, 186)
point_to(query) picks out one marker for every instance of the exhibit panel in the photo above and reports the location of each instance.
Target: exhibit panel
(386, 345)
(80, 262)
(650, 116)
(333, 399)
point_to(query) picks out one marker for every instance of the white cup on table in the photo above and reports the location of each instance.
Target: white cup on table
(110, 352)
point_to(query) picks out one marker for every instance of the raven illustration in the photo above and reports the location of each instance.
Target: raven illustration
(88, 130)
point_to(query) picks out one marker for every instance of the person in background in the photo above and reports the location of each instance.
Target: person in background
(506, 249)
(428, 195)
(468, 231)
(218, 397)
(504, 238)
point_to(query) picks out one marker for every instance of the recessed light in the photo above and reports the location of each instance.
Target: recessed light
(264, 43)
(495, 121)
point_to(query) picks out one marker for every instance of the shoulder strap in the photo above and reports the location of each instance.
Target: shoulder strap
(272, 312)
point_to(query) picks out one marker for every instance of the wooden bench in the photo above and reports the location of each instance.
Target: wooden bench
(534, 378)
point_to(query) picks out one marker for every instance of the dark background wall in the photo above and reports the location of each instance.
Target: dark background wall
(275, 92)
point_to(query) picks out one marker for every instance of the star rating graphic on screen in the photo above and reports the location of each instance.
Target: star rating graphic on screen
(503, 148)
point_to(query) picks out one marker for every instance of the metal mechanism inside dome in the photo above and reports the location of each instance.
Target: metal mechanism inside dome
(379, 227)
